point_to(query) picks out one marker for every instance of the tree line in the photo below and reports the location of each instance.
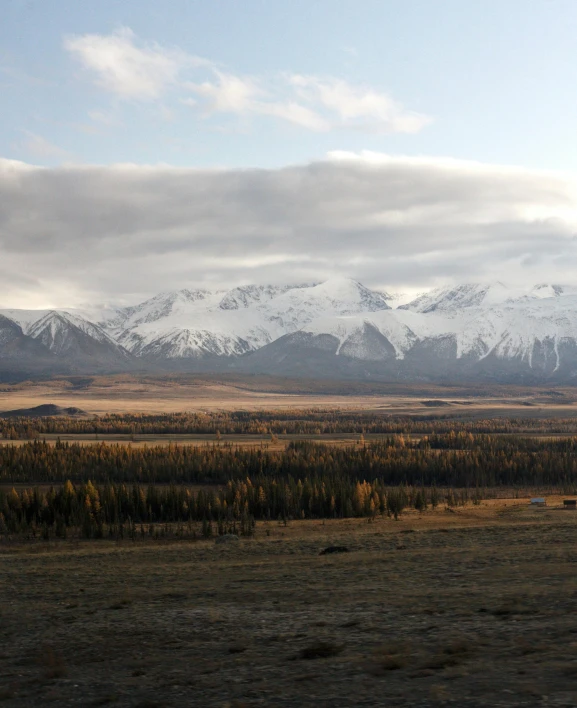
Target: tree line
(118, 510)
(277, 422)
(455, 459)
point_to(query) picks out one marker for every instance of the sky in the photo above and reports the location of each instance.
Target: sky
(408, 144)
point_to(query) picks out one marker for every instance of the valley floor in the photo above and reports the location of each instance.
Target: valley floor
(147, 394)
(472, 607)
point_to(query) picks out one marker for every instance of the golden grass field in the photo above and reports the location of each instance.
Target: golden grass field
(161, 394)
(474, 607)
(272, 444)
(245, 441)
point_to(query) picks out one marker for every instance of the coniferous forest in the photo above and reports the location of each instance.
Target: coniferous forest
(312, 421)
(102, 489)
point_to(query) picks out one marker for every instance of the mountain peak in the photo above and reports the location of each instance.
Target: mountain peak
(246, 295)
(340, 285)
(344, 290)
(454, 298)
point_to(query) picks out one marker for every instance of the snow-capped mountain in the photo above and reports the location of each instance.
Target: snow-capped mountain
(455, 299)
(63, 337)
(338, 327)
(200, 323)
(243, 297)
(469, 331)
(366, 337)
(16, 347)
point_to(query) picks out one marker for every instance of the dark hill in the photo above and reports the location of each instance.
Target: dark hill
(43, 411)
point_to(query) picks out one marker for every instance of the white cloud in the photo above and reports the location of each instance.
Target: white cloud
(132, 69)
(244, 96)
(126, 231)
(227, 93)
(296, 113)
(307, 101)
(127, 68)
(359, 107)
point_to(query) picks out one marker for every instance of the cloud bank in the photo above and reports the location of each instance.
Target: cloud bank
(118, 233)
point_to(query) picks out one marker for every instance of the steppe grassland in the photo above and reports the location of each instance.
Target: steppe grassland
(475, 605)
(162, 394)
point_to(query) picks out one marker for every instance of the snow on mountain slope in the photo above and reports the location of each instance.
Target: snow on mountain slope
(472, 325)
(25, 318)
(195, 323)
(512, 330)
(208, 333)
(509, 330)
(179, 305)
(397, 299)
(187, 343)
(65, 334)
(55, 328)
(544, 290)
(16, 346)
(532, 329)
(341, 295)
(34, 321)
(351, 332)
(248, 295)
(338, 296)
(453, 300)
(191, 328)
(107, 317)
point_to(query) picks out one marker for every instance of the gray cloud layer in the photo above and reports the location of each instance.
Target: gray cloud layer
(118, 233)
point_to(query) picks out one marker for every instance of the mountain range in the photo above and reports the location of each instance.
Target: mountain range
(338, 328)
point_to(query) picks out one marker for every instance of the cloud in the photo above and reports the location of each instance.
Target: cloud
(358, 107)
(123, 232)
(242, 96)
(126, 67)
(226, 94)
(296, 113)
(307, 101)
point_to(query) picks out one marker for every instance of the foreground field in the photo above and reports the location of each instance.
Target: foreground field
(472, 607)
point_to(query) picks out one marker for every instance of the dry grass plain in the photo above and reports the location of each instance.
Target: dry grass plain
(275, 444)
(475, 607)
(161, 394)
(279, 442)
